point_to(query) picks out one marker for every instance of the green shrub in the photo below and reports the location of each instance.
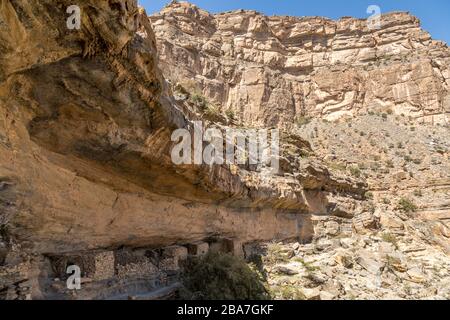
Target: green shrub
(230, 115)
(308, 266)
(368, 195)
(389, 237)
(287, 291)
(304, 154)
(199, 101)
(406, 205)
(370, 207)
(213, 113)
(221, 277)
(355, 171)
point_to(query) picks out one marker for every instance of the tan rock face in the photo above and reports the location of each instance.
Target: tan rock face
(271, 70)
(85, 127)
(86, 118)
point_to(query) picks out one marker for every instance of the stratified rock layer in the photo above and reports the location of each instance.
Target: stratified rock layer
(86, 117)
(86, 127)
(271, 70)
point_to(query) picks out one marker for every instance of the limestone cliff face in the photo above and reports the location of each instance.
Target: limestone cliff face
(271, 70)
(85, 139)
(51, 116)
(86, 120)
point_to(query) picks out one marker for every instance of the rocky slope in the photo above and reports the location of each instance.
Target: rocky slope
(406, 254)
(86, 176)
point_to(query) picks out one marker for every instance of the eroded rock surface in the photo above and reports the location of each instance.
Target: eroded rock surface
(87, 139)
(86, 117)
(271, 70)
(86, 124)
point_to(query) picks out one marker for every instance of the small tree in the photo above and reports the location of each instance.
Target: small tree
(221, 277)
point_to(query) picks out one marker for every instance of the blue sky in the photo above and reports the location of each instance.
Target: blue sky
(434, 14)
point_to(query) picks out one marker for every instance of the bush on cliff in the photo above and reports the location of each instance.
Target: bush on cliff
(406, 205)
